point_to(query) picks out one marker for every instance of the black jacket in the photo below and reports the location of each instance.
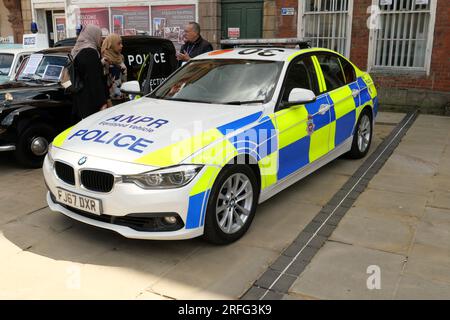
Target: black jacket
(95, 92)
(196, 48)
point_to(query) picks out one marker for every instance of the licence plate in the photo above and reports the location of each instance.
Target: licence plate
(77, 201)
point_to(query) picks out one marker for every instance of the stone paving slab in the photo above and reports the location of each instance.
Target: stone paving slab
(339, 271)
(416, 288)
(404, 213)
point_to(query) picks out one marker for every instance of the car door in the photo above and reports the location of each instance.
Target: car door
(303, 129)
(343, 92)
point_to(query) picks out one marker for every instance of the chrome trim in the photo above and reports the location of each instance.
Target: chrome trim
(7, 148)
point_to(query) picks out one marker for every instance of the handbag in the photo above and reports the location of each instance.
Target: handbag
(71, 80)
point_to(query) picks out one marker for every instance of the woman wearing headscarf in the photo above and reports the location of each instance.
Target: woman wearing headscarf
(114, 66)
(93, 96)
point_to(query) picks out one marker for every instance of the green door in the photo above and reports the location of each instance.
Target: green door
(245, 15)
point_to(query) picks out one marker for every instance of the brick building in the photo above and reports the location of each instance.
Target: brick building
(404, 44)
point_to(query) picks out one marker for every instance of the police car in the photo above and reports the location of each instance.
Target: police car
(225, 132)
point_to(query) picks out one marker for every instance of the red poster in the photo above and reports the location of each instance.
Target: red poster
(130, 20)
(169, 21)
(96, 16)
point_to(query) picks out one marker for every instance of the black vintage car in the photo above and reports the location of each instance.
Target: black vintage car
(34, 107)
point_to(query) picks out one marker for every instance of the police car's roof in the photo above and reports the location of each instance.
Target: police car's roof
(14, 49)
(280, 53)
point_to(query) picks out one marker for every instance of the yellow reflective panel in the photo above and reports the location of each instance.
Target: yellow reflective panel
(320, 78)
(268, 167)
(291, 125)
(60, 138)
(219, 153)
(331, 140)
(343, 101)
(319, 143)
(176, 152)
(206, 180)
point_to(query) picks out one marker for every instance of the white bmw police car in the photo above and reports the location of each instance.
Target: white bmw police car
(225, 132)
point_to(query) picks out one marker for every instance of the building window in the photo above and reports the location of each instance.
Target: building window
(402, 37)
(327, 23)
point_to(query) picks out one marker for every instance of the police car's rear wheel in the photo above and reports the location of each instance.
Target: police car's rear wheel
(362, 137)
(32, 145)
(232, 204)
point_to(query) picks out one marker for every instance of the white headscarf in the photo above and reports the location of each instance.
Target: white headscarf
(90, 37)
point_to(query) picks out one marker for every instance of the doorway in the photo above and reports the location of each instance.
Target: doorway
(242, 19)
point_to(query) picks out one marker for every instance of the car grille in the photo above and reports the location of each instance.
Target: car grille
(65, 172)
(97, 180)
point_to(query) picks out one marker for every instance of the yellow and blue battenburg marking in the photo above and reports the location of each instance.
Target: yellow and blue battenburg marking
(258, 141)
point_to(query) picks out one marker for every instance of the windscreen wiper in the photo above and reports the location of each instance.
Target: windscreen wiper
(187, 100)
(242, 102)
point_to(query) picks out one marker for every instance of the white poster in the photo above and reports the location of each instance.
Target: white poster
(33, 63)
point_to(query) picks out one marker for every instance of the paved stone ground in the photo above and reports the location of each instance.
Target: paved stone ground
(401, 224)
(46, 255)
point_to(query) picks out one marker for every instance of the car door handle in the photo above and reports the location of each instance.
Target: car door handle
(324, 108)
(355, 93)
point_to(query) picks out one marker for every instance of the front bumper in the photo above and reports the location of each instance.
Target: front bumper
(124, 199)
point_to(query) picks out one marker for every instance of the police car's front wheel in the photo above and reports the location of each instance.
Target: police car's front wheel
(362, 137)
(232, 204)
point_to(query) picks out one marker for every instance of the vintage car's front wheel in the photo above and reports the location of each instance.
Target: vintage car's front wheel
(232, 204)
(32, 145)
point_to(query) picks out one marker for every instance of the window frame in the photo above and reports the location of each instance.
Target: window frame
(338, 57)
(316, 90)
(371, 67)
(301, 26)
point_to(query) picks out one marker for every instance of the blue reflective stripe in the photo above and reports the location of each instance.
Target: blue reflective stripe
(364, 92)
(202, 220)
(293, 157)
(195, 210)
(354, 86)
(259, 141)
(344, 127)
(332, 109)
(237, 124)
(313, 109)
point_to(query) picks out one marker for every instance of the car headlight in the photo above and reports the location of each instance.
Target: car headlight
(167, 178)
(9, 97)
(49, 155)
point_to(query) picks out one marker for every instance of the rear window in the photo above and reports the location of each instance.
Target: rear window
(332, 71)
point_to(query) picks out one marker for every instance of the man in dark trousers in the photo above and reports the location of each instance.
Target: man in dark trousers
(194, 44)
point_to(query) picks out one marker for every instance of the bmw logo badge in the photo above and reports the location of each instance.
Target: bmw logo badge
(82, 161)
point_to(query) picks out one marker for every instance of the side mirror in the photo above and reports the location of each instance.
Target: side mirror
(131, 87)
(301, 96)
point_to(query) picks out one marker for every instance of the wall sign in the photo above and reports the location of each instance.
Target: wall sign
(287, 11)
(234, 33)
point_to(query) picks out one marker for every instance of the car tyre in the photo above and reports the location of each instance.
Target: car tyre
(32, 145)
(362, 138)
(236, 191)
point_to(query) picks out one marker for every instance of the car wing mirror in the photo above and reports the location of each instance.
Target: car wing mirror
(300, 96)
(131, 87)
